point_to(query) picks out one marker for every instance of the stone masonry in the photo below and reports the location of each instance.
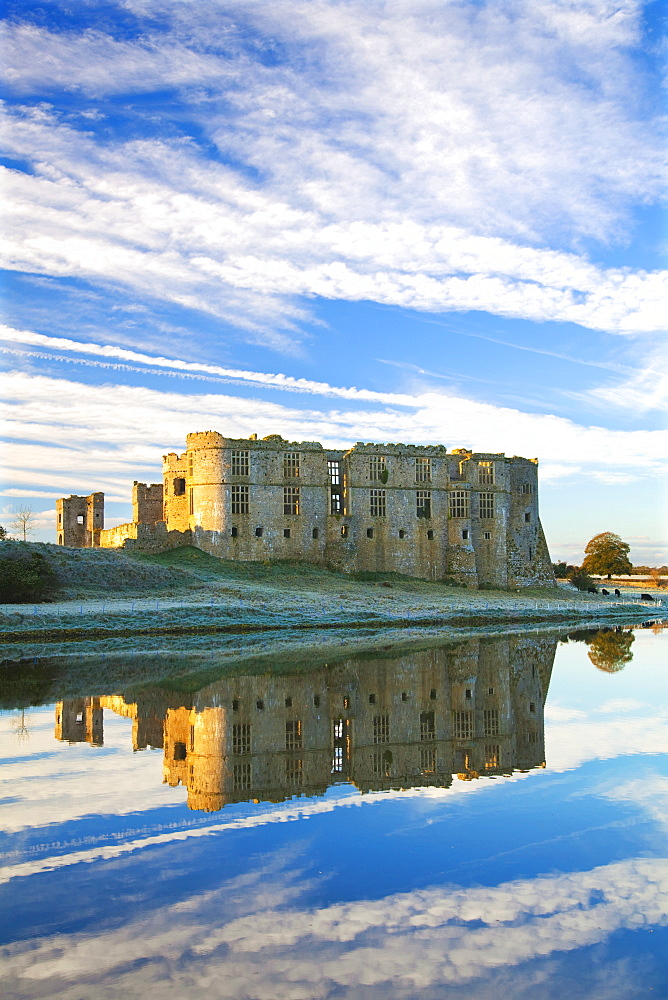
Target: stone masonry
(421, 511)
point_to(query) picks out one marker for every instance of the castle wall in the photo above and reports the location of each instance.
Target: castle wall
(79, 520)
(414, 510)
(147, 503)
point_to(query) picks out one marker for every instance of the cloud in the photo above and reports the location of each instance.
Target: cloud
(422, 156)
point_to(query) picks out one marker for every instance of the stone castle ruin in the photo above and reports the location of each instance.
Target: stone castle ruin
(422, 511)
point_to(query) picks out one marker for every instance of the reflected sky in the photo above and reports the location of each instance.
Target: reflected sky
(521, 881)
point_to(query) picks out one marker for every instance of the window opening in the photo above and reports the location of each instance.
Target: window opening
(179, 751)
(486, 505)
(235, 705)
(491, 755)
(315, 533)
(242, 776)
(469, 693)
(430, 535)
(532, 706)
(377, 469)
(527, 487)
(381, 728)
(404, 695)
(191, 503)
(490, 721)
(234, 531)
(486, 473)
(402, 533)
(291, 465)
(241, 738)
(527, 517)
(286, 532)
(258, 532)
(344, 531)
(240, 502)
(462, 724)
(381, 763)
(487, 535)
(372, 699)
(427, 726)
(293, 734)
(458, 502)
(288, 702)
(291, 500)
(80, 519)
(377, 506)
(427, 760)
(259, 704)
(423, 503)
(316, 700)
(422, 470)
(465, 533)
(240, 462)
(179, 487)
(432, 694)
(294, 771)
(369, 532)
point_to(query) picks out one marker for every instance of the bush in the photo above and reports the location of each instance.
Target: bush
(25, 577)
(580, 580)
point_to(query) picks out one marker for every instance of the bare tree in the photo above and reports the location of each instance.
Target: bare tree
(23, 522)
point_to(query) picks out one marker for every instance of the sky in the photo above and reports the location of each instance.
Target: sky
(427, 221)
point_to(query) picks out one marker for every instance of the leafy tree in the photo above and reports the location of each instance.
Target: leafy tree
(579, 579)
(610, 650)
(563, 571)
(25, 578)
(3, 533)
(22, 522)
(607, 553)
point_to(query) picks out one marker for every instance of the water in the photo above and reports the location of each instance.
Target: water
(482, 820)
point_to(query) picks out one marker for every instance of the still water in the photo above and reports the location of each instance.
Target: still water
(481, 820)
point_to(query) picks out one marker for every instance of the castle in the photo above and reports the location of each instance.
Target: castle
(474, 710)
(420, 511)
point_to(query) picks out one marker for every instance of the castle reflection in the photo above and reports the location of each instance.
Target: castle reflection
(471, 710)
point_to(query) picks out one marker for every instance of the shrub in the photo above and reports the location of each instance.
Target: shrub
(25, 577)
(580, 580)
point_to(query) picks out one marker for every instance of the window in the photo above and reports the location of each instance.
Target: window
(334, 473)
(291, 465)
(490, 721)
(242, 776)
(430, 535)
(487, 535)
(337, 760)
(423, 503)
(530, 553)
(60, 517)
(531, 737)
(465, 533)
(346, 702)
(316, 700)
(192, 737)
(234, 531)
(381, 763)
(291, 502)
(286, 532)
(462, 724)
(344, 531)
(294, 771)
(377, 469)
(293, 734)
(336, 503)
(377, 503)
(404, 695)
(179, 487)
(532, 706)
(240, 500)
(381, 728)
(459, 503)
(469, 693)
(486, 505)
(432, 694)
(241, 738)
(427, 726)
(372, 699)
(369, 532)
(486, 473)
(288, 702)
(491, 755)
(427, 760)
(80, 519)
(315, 533)
(337, 729)
(527, 517)
(179, 751)
(191, 504)
(240, 462)
(235, 705)
(402, 533)
(259, 704)
(258, 532)
(422, 470)
(490, 690)
(527, 487)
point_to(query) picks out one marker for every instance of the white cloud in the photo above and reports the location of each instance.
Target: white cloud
(422, 156)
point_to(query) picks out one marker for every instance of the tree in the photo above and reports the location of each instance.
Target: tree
(22, 523)
(611, 651)
(3, 533)
(607, 554)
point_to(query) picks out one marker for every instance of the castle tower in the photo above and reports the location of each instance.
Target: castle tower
(79, 520)
(80, 720)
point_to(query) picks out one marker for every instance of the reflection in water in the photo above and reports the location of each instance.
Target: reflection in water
(472, 710)
(611, 649)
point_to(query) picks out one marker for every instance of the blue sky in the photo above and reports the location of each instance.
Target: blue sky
(436, 222)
